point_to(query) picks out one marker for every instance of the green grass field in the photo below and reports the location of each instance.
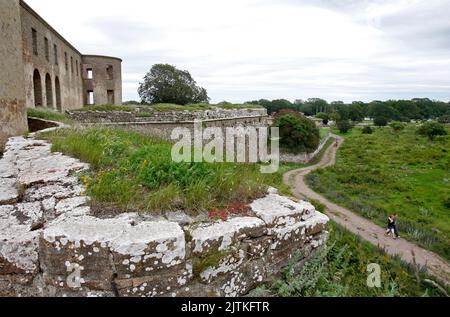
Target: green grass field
(389, 172)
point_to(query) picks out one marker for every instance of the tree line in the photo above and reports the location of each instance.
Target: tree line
(381, 111)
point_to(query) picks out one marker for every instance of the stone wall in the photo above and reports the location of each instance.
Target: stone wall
(145, 114)
(64, 74)
(304, 158)
(12, 91)
(51, 244)
(106, 77)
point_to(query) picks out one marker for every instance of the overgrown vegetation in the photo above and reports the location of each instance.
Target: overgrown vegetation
(432, 130)
(132, 172)
(48, 114)
(394, 172)
(340, 270)
(298, 134)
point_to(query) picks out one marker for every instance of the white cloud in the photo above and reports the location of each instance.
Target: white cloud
(251, 49)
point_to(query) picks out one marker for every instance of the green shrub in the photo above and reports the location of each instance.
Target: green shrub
(367, 130)
(298, 134)
(344, 126)
(380, 121)
(397, 126)
(432, 130)
(445, 119)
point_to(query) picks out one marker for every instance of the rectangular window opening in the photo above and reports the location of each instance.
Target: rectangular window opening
(111, 97)
(35, 44)
(55, 52)
(47, 50)
(90, 73)
(66, 61)
(110, 72)
(90, 98)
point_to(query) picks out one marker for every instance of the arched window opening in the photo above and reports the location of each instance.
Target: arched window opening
(58, 94)
(49, 91)
(37, 86)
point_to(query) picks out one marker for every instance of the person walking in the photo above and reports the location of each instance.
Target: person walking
(392, 227)
(396, 235)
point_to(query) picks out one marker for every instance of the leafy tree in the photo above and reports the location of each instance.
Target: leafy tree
(381, 121)
(318, 105)
(445, 119)
(397, 126)
(344, 126)
(166, 84)
(355, 111)
(432, 130)
(324, 116)
(298, 134)
(367, 130)
(335, 116)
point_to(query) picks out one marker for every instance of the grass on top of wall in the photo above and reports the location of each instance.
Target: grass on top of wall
(166, 107)
(201, 107)
(48, 114)
(132, 172)
(388, 172)
(107, 108)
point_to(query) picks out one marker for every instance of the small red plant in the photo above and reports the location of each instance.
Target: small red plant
(237, 208)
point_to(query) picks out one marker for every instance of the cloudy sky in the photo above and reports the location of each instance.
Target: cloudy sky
(243, 50)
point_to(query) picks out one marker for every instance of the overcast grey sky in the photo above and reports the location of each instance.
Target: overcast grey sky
(243, 50)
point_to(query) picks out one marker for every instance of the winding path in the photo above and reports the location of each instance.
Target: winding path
(366, 229)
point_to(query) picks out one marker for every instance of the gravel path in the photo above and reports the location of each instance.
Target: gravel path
(409, 252)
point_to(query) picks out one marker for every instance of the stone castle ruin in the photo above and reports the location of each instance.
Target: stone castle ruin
(52, 244)
(40, 68)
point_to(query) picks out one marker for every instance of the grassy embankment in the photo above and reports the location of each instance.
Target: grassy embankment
(389, 172)
(134, 172)
(340, 270)
(48, 114)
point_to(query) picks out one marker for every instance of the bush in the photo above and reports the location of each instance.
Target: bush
(445, 119)
(397, 126)
(381, 121)
(432, 130)
(344, 126)
(298, 134)
(447, 203)
(367, 130)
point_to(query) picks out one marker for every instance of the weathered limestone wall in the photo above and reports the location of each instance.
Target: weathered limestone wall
(12, 90)
(144, 114)
(51, 244)
(161, 124)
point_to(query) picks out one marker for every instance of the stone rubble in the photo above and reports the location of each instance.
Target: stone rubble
(51, 244)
